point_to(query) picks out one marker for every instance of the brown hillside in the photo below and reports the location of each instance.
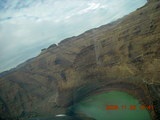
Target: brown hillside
(123, 55)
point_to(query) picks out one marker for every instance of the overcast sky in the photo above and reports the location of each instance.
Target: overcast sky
(27, 26)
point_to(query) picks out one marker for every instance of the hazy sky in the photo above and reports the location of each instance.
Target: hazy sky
(27, 26)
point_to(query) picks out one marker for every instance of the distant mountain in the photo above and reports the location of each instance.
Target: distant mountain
(123, 55)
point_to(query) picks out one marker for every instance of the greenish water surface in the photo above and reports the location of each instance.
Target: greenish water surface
(96, 107)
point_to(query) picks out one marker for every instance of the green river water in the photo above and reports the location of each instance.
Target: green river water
(96, 107)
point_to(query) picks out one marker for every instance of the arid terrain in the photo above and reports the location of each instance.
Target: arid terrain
(123, 55)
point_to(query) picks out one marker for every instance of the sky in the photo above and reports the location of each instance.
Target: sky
(27, 26)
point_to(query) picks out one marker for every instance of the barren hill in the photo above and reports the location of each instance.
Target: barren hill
(123, 55)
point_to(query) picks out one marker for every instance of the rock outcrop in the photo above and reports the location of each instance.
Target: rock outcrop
(123, 55)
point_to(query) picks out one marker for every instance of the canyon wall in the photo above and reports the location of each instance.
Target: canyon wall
(123, 55)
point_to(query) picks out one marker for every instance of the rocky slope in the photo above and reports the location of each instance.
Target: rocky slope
(123, 55)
